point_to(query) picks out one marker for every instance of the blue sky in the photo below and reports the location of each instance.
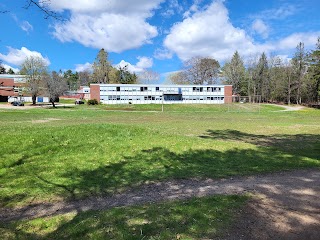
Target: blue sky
(157, 35)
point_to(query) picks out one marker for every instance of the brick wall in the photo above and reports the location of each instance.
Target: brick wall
(7, 87)
(228, 94)
(95, 91)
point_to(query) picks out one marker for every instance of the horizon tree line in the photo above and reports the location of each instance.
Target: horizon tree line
(274, 79)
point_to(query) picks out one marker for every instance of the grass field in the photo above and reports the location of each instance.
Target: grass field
(71, 153)
(192, 219)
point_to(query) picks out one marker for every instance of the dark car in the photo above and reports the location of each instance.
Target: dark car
(17, 103)
(79, 102)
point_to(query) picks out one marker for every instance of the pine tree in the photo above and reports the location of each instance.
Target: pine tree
(314, 73)
(101, 68)
(234, 73)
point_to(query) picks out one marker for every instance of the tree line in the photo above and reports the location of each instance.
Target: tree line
(276, 80)
(273, 78)
(39, 80)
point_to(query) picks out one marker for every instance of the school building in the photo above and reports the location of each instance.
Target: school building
(160, 94)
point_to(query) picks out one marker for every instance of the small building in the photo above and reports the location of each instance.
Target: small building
(85, 92)
(160, 94)
(13, 88)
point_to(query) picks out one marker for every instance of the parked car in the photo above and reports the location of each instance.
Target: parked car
(17, 103)
(78, 101)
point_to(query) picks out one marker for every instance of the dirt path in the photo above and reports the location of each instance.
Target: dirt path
(285, 205)
(290, 107)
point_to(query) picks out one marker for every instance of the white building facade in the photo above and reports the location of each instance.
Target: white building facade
(160, 94)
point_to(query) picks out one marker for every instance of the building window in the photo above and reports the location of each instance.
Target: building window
(157, 88)
(118, 89)
(198, 89)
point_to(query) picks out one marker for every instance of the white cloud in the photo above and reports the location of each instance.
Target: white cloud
(194, 8)
(162, 54)
(209, 33)
(26, 26)
(113, 32)
(291, 41)
(261, 28)
(112, 6)
(173, 7)
(168, 13)
(83, 67)
(18, 56)
(284, 58)
(7, 67)
(279, 13)
(143, 64)
(114, 25)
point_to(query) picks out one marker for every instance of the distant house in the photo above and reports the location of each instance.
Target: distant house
(85, 92)
(12, 87)
(167, 94)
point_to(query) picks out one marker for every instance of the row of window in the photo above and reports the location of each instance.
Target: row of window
(158, 98)
(157, 89)
(208, 89)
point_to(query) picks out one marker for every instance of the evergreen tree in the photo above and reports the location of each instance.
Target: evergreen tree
(2, 69)
(314, 73)
(234, 73)
(126, 77)
(101, 68)
(10, 71)
(72, 80)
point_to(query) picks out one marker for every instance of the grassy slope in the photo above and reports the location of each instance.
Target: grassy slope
(71, 153)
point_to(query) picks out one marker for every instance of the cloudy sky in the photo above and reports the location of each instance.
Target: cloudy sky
(158, 34)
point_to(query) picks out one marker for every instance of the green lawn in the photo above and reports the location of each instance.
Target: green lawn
(202, 218)
(49, 154)
(70, 153)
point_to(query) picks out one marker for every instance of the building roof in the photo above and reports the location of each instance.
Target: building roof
(15, 77)
(157, 85)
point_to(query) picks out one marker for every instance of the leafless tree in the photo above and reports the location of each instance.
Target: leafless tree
(44, 7)
(200, 70)
(55, 85)
(35, 69)
(85, 77)
(179, 78)
(148, 76)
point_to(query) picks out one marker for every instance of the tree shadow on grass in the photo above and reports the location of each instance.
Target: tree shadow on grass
(273, 153)
(184, 219)
(159, 164)
(299, 145)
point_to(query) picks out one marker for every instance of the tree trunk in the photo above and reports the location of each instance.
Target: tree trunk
(52, 101)
(34, 99)
(289, 91)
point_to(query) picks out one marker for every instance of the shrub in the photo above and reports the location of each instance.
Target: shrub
(92, 102)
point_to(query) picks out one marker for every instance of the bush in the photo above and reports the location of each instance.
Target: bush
(92, 102)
